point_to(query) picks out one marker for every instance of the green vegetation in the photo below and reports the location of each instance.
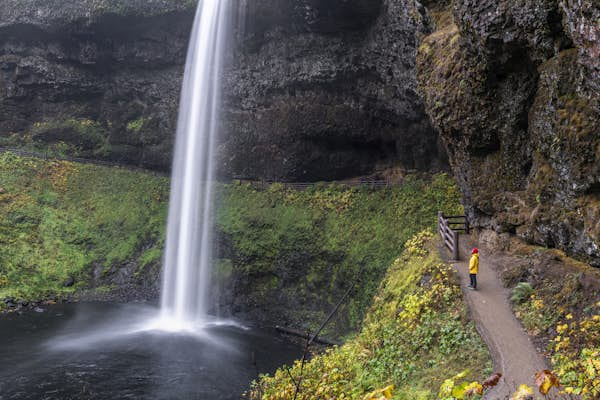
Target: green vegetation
(59, 220)
(72, 136)
(566, 313)
(415, 332)
(521, 292)
(136, 125)
(283, 247)
(312, 244)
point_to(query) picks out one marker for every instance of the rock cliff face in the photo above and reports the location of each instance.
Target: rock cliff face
(94, 78)
(514, 92)
(314, 89)
(324, 89)
(327, 89)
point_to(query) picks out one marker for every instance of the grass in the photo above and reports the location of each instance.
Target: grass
(415, 333)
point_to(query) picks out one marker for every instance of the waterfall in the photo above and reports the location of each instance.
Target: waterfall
(187, 260)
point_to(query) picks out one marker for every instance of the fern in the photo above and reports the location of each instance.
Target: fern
(521, 292)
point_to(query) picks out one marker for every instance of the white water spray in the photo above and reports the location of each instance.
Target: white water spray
(189, 243)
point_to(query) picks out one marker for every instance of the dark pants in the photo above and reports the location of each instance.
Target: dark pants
(473, 280)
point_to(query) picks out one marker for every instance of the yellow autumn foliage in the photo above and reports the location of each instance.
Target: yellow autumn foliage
(380, 394)
(524, 392)
(411, 337)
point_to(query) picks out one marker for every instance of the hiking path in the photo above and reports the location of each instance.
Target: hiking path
(513, 353)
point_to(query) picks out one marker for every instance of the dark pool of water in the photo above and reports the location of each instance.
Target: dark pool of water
(99, 351)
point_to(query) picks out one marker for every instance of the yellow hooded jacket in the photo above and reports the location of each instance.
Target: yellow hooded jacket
(474, 264)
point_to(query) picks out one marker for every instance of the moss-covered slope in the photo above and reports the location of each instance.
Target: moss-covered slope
(557, 300)
(288, 255)
(415, 333)
(283, 256)
(67, 226)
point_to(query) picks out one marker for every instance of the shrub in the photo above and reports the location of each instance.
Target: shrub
(412, 335)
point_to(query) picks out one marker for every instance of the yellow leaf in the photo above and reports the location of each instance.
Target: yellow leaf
(545, 380)
(474, 388)
(387, 391)
(523, 393)
(380, 394)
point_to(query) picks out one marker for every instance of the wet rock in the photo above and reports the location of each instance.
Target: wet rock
(38, 310)
(10, 303)
(101, 72)
(69, 282)
(499, 27)
(581, 24)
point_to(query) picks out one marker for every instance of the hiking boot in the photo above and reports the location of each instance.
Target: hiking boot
(471, 287)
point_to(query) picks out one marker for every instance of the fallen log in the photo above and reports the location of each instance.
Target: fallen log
(304, 335)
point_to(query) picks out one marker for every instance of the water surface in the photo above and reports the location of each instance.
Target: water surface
(101, 351)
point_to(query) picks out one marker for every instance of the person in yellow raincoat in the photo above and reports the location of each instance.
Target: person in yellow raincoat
(474, 268)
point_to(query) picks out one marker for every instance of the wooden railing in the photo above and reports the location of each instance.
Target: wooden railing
(450, 227)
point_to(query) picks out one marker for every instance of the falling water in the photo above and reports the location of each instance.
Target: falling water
(188, 247)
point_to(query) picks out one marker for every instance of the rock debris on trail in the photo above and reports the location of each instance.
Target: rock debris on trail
(513, 353)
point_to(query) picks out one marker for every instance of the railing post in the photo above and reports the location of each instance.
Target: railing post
(440, 218)
(455, 243)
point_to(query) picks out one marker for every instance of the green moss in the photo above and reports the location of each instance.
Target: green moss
(150, 256)
(61, 220)
(71, 136)
(316, 241)
(413, 334)
(136, 125)
(57, 219)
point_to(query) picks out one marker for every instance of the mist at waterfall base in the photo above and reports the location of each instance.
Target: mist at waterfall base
(109, 351)
(67, 352)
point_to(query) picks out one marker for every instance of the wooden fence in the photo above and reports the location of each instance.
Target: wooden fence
(370, 183)
(450, 227)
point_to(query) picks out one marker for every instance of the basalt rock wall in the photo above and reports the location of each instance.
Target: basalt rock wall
(313, 89)
(94, 78)
(327, 89)
(513, 88)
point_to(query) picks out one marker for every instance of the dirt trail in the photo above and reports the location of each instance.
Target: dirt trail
(513, 352)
